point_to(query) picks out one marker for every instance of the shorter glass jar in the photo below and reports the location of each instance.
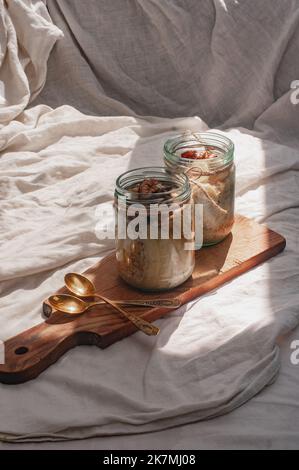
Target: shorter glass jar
(151, 261)
(208, 160)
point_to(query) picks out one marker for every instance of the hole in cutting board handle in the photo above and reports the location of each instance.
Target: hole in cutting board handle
(21, 350)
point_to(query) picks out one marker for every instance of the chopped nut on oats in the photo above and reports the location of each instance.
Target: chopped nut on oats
(150, 186)
(196, 155)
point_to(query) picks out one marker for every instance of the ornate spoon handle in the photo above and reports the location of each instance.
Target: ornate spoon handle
(167, 303)
(141, 324)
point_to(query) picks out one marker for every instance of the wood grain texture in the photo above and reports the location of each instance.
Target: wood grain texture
(32, 351)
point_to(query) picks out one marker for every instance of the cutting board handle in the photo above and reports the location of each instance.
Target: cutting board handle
(28, 353)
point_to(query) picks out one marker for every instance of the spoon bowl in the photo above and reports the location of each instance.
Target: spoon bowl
(79, 285)
(68, 304)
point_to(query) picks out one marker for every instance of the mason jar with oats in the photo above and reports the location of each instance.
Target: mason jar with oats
(153, 249)
(207, 158)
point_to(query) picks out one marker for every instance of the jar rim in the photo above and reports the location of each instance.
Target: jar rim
(207, 138)
(136, 175)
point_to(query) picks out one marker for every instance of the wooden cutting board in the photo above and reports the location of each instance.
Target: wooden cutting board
(32, 351)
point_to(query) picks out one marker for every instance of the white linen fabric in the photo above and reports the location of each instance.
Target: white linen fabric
(27, 36)
(57, 167)
(223, 60)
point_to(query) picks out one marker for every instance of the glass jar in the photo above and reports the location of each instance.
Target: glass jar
(208, 160)
(153, 259)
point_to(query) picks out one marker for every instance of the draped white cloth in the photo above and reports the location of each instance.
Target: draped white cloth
(27, 36)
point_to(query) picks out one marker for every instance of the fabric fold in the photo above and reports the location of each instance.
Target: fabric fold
(27, 38)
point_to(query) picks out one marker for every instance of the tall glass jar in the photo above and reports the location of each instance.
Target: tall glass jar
(153, 259)
(208, 160)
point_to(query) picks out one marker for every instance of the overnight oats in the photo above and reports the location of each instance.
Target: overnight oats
(208, 160)
(153, 250)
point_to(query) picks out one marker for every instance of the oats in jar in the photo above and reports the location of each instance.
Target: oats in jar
(154, 262)
(207, 159)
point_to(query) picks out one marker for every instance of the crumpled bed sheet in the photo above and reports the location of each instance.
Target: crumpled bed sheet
(57, 167)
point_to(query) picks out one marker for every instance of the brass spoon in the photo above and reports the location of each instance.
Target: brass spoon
(81, 286)
(75, 306)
